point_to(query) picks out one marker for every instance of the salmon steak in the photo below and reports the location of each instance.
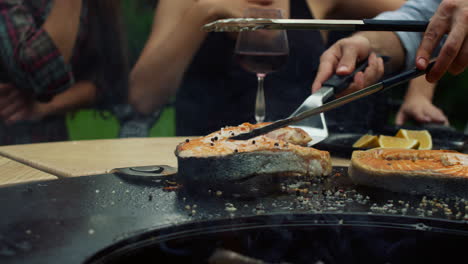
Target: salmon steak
(217, 160)
(430, 172)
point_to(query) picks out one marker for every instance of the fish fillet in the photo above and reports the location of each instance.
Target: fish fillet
(431, 172)
(217, 159)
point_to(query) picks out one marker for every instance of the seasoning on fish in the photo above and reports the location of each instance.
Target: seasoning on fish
(431, 172)
(280, 152)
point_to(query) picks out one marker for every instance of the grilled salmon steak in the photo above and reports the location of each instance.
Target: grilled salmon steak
(215, 159)
(431, 172)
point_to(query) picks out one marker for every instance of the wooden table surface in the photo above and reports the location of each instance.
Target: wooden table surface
(13, 172)
(91, 157)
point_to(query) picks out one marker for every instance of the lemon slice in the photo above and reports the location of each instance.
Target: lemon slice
(397, 142)
(423, 136)
(367, 141)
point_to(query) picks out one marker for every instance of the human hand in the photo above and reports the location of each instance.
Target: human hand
(420, 109)
(451, 17)
(17, 106)
(341, 58)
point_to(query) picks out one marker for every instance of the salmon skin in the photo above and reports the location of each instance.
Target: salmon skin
(217, 161)
(430, 172)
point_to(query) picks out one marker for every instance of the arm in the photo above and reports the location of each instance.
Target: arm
(16, 106)
(446, 17)
(32, 56)
(174, 40)
(451, 17)
(400, 46)
(63, 24)
(418, 105)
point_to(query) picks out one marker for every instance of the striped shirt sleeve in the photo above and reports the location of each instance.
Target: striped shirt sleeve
(28, 55)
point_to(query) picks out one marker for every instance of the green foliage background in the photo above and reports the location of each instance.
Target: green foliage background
(88, 124)
(451, 95)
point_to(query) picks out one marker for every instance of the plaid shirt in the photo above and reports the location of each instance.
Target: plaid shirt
(28, 56)
(30, 60)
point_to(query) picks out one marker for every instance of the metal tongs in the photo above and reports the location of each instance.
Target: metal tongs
(380, 86)
(250, 24)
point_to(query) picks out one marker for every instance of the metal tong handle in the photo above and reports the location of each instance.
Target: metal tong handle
(251, 24)
(380, 86)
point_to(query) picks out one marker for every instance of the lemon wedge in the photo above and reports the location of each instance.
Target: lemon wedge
(422, 136)
(397, 142)
(367, 141)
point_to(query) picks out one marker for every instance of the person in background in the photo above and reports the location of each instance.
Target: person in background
(405, 48)
(211, 89)
(417, 105)
(56, 57)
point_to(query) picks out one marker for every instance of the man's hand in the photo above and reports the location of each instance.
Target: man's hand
(17, 106)
(451, 17)
(421, 110)
(342, 58)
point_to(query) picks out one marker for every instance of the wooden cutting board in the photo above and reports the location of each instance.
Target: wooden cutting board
(91, 157)
(13, 172)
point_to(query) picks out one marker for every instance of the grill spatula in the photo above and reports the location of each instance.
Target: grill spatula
(316, 126)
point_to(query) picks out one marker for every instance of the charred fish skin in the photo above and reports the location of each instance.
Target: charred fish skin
(428, 172)
(233, 168)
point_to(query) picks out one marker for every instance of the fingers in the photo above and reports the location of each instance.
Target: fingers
(6, 99)
(371, 75)
(448, 53)
(374, 72)
(348, 61)
(419, 115)
(341, 58)
(11, 109)
(461, 61)
(452, 17)
(350, 57)
(435, 115)
(400, 118)
(438, 26)
(358, 84)
(421, 112)
(21, 114)
(328, 62)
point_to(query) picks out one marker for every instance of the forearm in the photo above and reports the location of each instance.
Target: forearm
(387, 44)
(160, 68)
(63, 24)
(419, 87)
(421, 10)
(81, 94)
